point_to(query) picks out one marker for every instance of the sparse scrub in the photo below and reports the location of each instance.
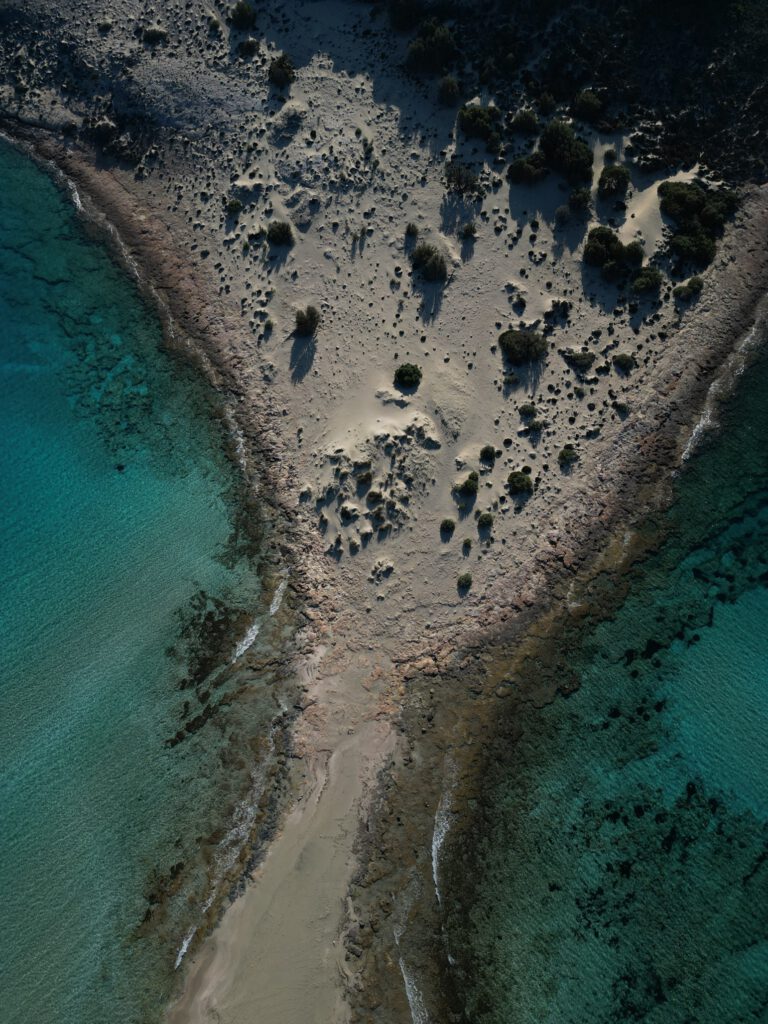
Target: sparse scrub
(579, 360)
(307, 321)
(567, 456)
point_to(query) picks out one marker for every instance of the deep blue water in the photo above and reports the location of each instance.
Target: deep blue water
(121, 559)
(620, 868)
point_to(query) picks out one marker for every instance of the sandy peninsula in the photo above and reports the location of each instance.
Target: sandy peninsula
(403, 569)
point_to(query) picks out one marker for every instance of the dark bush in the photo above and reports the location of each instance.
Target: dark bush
(447, 526)
(242, 16)
(648, 280)
(408, 375)
(460, 178)
(429, 262)
(154, 34)
(248, 48)
(281, 71)
(484, 521)
(487, 453)
(233, 206)
(448, 91)
(567, 456)
(699, 215)
(280, 232)
(468, 231)
(633, 254)
(433, 49)
(525, 121)
(588, 106)
(464, 582)
(481, 123)
(527, 409)
(579, 360)
(307, 321)
(614, 181)
(468, 488)
(579, 200)
(566, 153)
(411, 230)
(689, 290)
(519, 482)
(603, 245)
(624, 362)
(522, 346)
(528, 170)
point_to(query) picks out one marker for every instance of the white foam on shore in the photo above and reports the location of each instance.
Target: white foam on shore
(277, 600)
(247, 641)
(442, 822)
(416, 1005)
(184, 947)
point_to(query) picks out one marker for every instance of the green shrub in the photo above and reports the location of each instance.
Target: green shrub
(459, 177)
(487, 453)
(588, 106)
(408, 375)
(481, 123)
(468, 231)
(624, 362)
(154, 34)
(519, 482)
(546, 103)
(307, 321)
(448, 91)
(464, 582)
(528, 170)
(566, 153)
(281, 71)
(433, 49)
(579, 360)
(699, 215)
(466, 545)
(579, 200)
(280, 232)
(526, 410)
(567, 456)
(633, 254)
(525, 121)
(603, 245)
(485, 521)
(429, 262)
(468, 488)
(648, 280)
(613, 181)
(233, 206)
(447, 526)
(411, 230)
(242, 16)
(689, 290)
(522, 346)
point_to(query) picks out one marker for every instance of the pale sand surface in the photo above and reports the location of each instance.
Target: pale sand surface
(380, 594)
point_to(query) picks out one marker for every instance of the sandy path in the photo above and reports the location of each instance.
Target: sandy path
(272, 956)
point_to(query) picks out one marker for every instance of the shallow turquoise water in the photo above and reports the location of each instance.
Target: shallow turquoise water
(620, 868)
(119, 550)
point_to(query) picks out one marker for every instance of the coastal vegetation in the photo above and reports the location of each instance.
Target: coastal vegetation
(429, 262)
(280, 233)
(481, 123)
(408, 375)
(519, 482)
(522, 346)
(281, 71)
(613, 181)
(699, 215)
(307, 321)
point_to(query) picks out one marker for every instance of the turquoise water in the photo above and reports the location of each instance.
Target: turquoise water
(619, 871)
(126, 578)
